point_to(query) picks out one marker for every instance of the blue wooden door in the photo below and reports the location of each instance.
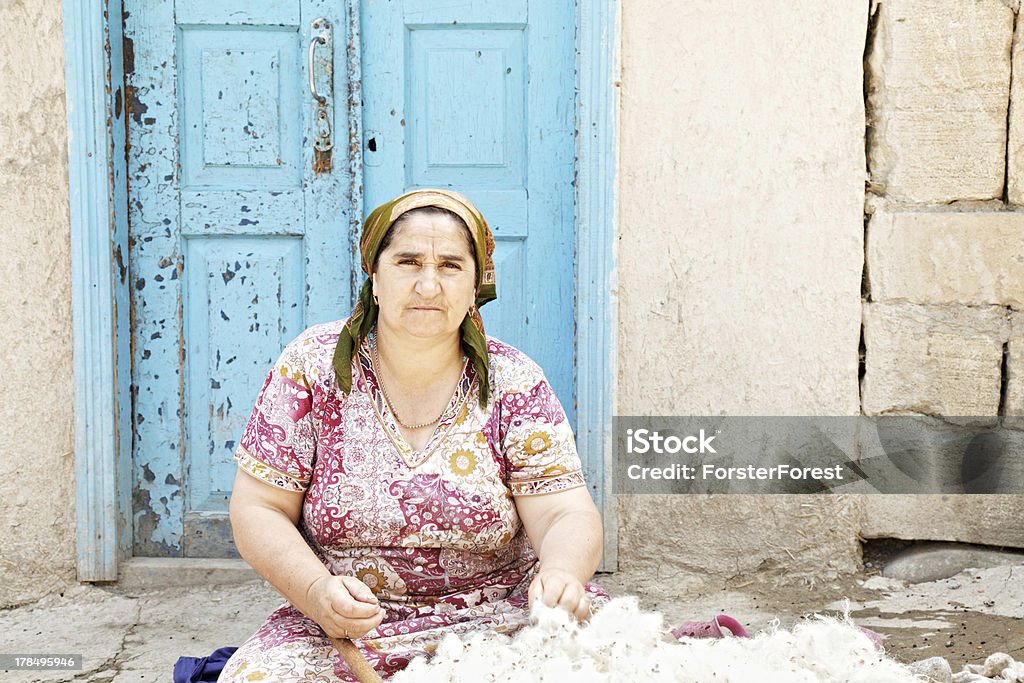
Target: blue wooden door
(478, 95)
(236, 242)
(239, 238)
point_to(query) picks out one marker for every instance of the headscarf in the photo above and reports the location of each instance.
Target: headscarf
(364, 317)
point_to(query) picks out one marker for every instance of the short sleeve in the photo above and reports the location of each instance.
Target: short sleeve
(279, 441)
(539, 448)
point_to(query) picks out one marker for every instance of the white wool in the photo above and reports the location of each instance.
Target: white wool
(997, 667)
(623, 644)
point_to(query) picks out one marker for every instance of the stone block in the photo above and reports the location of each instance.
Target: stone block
(933, 360)
(914, 454)
(1015, 367)
(938, 82)
(944, 257)
(993, 520)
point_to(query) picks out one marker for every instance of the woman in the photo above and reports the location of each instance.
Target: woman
(403, 476)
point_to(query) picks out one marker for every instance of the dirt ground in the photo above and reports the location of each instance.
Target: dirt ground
(962, 619)
(136, 634)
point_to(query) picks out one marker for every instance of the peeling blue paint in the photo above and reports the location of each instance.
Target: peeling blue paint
(219, 105)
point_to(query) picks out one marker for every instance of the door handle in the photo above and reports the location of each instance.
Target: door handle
(320, 31)
(321, 38)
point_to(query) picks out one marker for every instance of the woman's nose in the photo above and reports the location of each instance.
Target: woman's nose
(428, 284)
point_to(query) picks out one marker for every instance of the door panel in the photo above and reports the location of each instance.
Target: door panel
(479, 97)
(236, 244)
(220, 360)
(239, 125)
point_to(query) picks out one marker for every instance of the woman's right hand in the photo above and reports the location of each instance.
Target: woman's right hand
(344, 606)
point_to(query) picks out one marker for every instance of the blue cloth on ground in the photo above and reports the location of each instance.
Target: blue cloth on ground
(201, 669)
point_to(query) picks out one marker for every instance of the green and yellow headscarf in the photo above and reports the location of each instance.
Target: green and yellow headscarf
(364, 317)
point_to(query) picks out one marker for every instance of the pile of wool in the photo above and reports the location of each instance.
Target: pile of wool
(998, 667)
(621, 643)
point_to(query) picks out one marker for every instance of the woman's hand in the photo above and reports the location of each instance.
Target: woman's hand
(565, 530)
(344, 606)
(559, 588)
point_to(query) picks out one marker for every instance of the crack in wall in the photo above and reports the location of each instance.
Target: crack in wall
(862, 363)
(1004, 378)
(1009, 108)
(869, 128)
(870, 188)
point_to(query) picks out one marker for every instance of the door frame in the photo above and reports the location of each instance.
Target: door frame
(98, 186)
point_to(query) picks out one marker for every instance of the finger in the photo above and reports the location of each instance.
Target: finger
(344, 627)
(582, 611)
(536, 591)
(359, 590)
(570, 598)
(349, 608)
(553, 589)
(357, 628)
(353, 609)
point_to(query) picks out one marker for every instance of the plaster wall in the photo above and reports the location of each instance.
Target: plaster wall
(37, 547)
(741, 258)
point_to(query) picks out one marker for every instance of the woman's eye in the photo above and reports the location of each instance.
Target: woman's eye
(452, 265)
(407, 262)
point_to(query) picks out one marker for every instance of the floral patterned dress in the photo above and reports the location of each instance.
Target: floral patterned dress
(434, 533)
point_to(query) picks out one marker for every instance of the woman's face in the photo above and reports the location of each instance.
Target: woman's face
(426, 277)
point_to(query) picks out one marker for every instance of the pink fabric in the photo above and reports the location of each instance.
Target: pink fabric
(711, 629)
(434, 533)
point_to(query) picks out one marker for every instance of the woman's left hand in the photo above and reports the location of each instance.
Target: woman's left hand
(559, 588)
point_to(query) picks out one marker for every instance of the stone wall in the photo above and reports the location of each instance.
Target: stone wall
(37, 494)
(945, 239)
